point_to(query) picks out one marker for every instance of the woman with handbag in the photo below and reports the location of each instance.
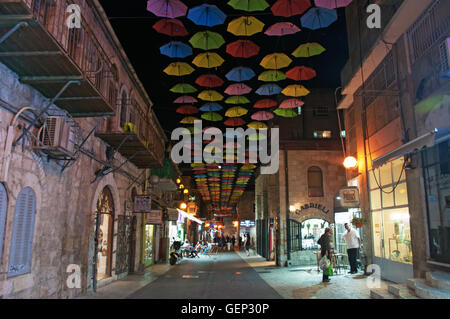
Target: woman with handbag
(325, 251)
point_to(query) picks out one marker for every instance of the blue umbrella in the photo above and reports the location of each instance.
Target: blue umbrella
(269, 89)
(206, 14)
(211, 107)
(200, 176)
(240, 74)
(176, 49)
(235, 135)
(317, 18)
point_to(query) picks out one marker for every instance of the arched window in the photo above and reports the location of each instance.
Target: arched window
(123, 109)
(315, 182)
(22, 236)
(3, 206)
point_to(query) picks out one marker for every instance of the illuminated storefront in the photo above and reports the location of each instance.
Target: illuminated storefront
(148, 244)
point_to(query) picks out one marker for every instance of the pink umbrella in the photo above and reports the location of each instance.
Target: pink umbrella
(262, 116)
(291, 104)
(332, 4)
(185, 99)
(238, 89)
(282, 28)
(167, 8)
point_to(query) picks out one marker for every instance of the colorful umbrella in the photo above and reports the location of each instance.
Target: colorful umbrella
(281, 29)
(308, 50)
(258, 125)
(235, 121)
(187, 109)
(249, 5)
(238, 89)
(189, 120)
(265, 104)
(269, 89)
(212, 116)
(301, 73)
(236, 111)
(262, 116)
(237, 99)
(178, 69)
(272, 76)
(285, 112)
(185, 99)
(211, 107)
(167, 8)
(208, 60)
(295, 90)
(207, 40)
(332, 4)
(171, 27)
(275, 61)
(210, 95)
(183, 88)
(209, 80)
(206, 14)
(176, 49)
(242, 49)
(317, 18)
(240, 74)
(291, 104)
(289, 8)
(245, 26)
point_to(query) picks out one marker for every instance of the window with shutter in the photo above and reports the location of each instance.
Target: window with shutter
(3, 206)
(22, 237)
(315, 182)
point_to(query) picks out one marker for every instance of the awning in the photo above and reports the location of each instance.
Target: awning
(427, 140)
(189, 216)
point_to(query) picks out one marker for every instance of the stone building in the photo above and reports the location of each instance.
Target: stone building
(77, 140)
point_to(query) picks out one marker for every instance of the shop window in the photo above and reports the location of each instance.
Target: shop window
(397, 235)
(315, 182)
(322, 134)
(377, 236)
(3, 207)
(312, 229)
(22, 236)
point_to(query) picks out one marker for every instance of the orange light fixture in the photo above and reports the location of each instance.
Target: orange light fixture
(181, 186)
(186, 191)
(178, 181)
(350, 162)
(183, 206)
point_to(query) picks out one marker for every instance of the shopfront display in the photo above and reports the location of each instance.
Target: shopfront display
(341, 218)
(148, 244)
(311, 230)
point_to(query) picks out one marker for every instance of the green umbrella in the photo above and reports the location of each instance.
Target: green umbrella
(212, 116)
(272, 76)
(183, 88)
(207, 40)
(249, 5)
(237, 99)
(285, 112)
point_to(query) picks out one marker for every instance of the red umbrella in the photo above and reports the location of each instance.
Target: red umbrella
(289, 8)
(242, 49)
(171, 27)
(291, 104)
(187, 109)
(265, 104)
(234, 121)
(301, 73)
(238, 89)
(185, 99)
(209, 80)
(282, 28)
(262, 116)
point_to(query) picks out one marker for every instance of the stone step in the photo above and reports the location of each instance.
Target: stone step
(438, 280)
(424, 291)
(402, 291)
(380, 293)
(411, 283)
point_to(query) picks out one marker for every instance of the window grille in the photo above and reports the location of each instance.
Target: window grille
(296, 232)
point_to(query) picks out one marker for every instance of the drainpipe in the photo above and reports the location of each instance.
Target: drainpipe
(288, 229)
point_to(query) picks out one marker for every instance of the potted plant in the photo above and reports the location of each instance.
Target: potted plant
(358, 222)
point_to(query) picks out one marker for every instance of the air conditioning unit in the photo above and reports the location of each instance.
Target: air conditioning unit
(57, 133)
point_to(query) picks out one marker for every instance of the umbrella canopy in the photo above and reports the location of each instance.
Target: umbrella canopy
(235, 121)
(281, 29)
(208, 60)
(272, 76)
(167, 8)
(249, 5)
(237, 99)
(245, 26)
(242, 49)
(178, 69)
(209, 80)
(183, 88)
(275, 61)
(236, 111)
(285, 112)
(211, 107)
(289, 8)
(291, 104)
(269, 89)
(301, 73)
(258, 125)
(212, 116)
(238, 89)
(210, 95)
(187, 109)
(207, 14)
(171, 27)
(262, 116)
(185, 99)
(189, 120)
(317, 18)
(207, 40)
(308, 50)
(240, 74)
(176, 49)
(295, 90)
(332, 4)
(265, 104)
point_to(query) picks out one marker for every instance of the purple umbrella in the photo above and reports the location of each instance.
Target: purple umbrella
(332, 4)
(185, 99)
(238, 89)
(167, 8)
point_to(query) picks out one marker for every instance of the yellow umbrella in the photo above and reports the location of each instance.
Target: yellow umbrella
(258, 125)
(295, 90)
(210, 95)
(189, 120)
(245, 26)
(248, 167)
(275, 61)
(308, 50)
(236, 111)
(208, 60)
(178, 69)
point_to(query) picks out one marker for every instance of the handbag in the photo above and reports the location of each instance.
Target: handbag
(328, 271)
(324, 263)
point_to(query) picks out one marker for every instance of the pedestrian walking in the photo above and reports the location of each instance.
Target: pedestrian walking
(233, 241)
(325, 250)
(240, 242)
(247, 244)
(353, 241)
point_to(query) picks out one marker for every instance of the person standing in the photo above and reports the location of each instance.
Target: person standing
(247, 244)
(353, 241)
(240, 242)
(233, 241)
(325, 250)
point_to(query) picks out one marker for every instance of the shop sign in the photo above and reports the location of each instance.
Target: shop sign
(247, 223)
(142, 204)
(314, 205)
(172, 214)
(349, 197)
(154, 217)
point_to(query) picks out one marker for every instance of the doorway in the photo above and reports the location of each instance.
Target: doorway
(105, 233)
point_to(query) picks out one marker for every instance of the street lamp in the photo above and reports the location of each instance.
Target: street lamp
(350, 162)
(183, 206)
(292, 208)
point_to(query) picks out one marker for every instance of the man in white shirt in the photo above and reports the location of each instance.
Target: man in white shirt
(353, 245)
